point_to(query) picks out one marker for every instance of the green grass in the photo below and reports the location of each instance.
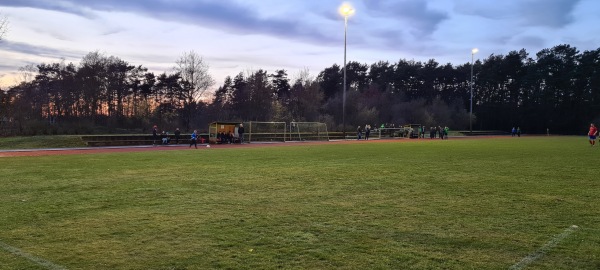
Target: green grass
(33, 142)
(456, 204)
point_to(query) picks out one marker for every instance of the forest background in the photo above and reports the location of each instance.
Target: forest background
(558, 89)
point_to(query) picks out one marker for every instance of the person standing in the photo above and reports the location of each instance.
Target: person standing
(241, 133)
(154, 134)
(194, 139)
(519, 131)
(359, 133)
(592, 134)
(177, 134)
(367, 132)
(446, 131)
(513, 132)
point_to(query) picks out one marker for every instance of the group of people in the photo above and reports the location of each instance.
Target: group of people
(164, 136)
(166, 139)
(229, 137)
(515, 131)
(366, 131)
(221, 137)
(436, 132)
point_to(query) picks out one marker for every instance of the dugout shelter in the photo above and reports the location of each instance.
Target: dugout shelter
(216, 128)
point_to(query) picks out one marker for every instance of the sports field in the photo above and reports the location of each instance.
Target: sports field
(412, 204)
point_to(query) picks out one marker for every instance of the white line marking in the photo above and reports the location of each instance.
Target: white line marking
(544, 249)
(39, 261)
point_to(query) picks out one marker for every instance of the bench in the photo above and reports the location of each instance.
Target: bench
(118, 143)
(128, 140)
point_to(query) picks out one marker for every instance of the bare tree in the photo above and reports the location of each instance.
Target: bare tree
(26, 74)
(3, 26)
(194, 73)
(303, 76)
(195, 80)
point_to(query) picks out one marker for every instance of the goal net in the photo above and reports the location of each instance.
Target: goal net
(308, 131)
(265, 131)
(383, 133)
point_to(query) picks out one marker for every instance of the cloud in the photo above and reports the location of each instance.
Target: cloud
(531, 41)
(546, 13)
(112, 32)
(62, 6)
(234, 35)
(6, 67)
(390, 39)
(423, 20)
(553, 13)
(222, 14)
(55, 34)
(42, 51)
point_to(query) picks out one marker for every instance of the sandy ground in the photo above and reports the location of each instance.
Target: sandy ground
(202, 147)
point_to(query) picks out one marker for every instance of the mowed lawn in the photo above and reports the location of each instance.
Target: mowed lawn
(455, 204)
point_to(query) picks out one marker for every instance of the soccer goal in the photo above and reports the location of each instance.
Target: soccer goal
(308, 131)
(265, 131)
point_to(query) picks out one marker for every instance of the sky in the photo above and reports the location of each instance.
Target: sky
(236, 36)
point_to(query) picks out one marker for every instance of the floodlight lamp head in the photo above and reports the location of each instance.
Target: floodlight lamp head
(346, 10)
(474, 51)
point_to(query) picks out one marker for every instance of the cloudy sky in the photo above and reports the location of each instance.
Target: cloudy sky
(242, 35)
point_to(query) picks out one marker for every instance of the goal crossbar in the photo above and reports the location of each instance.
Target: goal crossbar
(308, 131)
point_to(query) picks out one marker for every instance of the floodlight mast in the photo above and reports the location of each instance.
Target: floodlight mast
(473, 52)
(345, 10)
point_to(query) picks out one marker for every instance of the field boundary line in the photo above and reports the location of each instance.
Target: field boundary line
(39, 261)
(544, 249)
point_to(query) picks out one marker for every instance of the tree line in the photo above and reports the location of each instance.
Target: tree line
(559, 90)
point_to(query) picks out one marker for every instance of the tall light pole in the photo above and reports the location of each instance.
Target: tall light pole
(473, 52)
(346, 10)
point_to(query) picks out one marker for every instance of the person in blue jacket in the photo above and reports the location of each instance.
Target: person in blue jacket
(194, 139)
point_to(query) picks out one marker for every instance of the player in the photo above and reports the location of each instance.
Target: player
(592, 134)
(194, 139)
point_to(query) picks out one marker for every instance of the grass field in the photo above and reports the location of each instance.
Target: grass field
(33, 142)
(456, 204)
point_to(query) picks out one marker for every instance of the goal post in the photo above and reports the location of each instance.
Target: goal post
(265, 131)
(308, 131)
(383, 133)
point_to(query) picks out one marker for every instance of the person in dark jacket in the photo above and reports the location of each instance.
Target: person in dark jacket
(241, 133)
(164, 137)
(154, 134)
(177, 134)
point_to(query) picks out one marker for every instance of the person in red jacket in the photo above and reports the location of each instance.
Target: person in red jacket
(592, 134)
